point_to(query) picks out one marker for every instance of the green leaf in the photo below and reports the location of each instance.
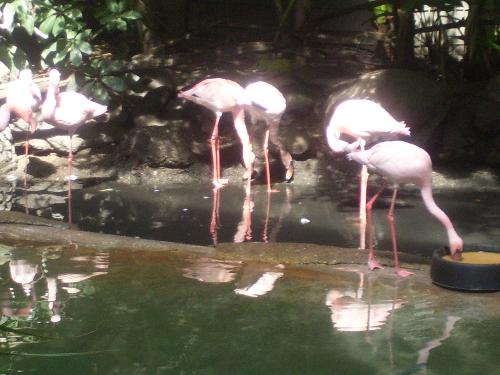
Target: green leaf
(62, 51)
(75, 57)
(71, 34)
(47, 25)
(49, 49)
(121, 24)
(6, 56)
(8, 17)
(115, 83)
(20, 59)
(59, 25)
(85, 48)
(29, 24)
(99, 92)
(131, 15)
(111, 66)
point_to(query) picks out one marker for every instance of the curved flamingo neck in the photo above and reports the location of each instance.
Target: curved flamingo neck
(426, 192)
(50, 103)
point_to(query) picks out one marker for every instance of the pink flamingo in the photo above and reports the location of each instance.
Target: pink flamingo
(265, 102)
(68, 110)
(23, 99)
(361, 119)
(223, 95)
(402, 162)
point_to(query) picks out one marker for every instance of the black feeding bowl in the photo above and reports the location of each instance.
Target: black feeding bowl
(466, 276)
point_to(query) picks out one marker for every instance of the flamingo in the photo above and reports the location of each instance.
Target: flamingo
(221, 95)
(402, 162)
(265, 102)
(361, 119)
(68, 110)
(23, 99)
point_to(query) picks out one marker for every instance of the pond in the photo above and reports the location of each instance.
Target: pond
(195, 214)
(68, 310)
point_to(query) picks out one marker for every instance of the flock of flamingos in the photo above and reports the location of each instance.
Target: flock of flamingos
(398, 161)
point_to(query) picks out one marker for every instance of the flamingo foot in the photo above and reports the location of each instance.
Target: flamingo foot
(220, 182)
(403, 273)
(374, 264)
(272, 190)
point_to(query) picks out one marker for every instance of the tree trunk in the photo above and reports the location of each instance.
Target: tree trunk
(404, 48)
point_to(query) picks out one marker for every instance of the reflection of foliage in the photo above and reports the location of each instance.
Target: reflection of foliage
(13, 333)
(274, 65)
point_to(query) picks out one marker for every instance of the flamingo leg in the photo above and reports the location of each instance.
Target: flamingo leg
(26, 159)
(362, 207)
(214, 222)
(399, 271)
(214, 142)
(372, 262)
(286, 157)
(247, 216)
(266, 157)
(244, 228)
(70, 165)
(247, 153)
(265, 234)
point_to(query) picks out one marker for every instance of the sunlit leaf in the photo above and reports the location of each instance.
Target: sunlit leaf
(61, 53)
(85, 47)
(49, 49)
(8, 17)
(121, 24)
(131, 15)
(48, 24)
(59, 25)
(29, 24)
(75, 57)
(71, 34)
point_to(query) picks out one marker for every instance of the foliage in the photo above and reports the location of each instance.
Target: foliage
(67, 34)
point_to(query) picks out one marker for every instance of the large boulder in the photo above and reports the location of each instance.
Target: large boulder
(408, 95)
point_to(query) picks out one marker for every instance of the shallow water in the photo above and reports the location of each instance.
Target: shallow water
(68, 311)
(189, 214)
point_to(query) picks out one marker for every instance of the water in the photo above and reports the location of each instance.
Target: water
(83, 311)
(188, 214)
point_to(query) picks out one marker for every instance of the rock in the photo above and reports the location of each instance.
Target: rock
(159, 146)
(408, 95)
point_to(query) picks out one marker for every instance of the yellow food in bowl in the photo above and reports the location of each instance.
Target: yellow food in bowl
(476, 257)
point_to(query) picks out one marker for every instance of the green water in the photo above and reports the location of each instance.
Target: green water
(146, 313)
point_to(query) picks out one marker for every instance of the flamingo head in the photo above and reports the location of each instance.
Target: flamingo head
(54, 77)
(456, 245)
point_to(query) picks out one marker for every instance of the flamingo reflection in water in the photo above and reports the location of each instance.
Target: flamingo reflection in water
(351, 312)
(424, 353)
(255, 280)
(244, 228)
(212, 271)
